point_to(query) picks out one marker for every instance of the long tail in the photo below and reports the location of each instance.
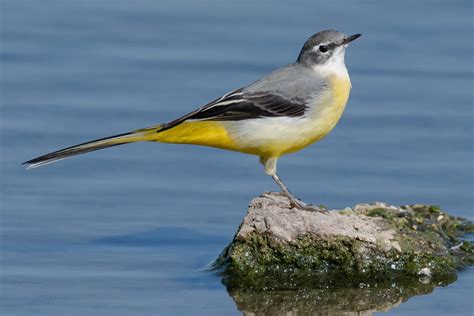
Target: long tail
(131, 137)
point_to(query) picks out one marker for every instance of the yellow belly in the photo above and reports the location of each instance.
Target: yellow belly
(270, 137)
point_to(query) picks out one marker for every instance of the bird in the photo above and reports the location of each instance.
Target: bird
(281, 113)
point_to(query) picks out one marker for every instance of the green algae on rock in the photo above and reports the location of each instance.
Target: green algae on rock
(277, 247)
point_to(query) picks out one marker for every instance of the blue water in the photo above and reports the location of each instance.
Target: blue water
(129, 230)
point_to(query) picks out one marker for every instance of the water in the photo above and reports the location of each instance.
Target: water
(129, 230)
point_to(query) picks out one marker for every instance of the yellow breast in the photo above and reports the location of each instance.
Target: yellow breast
(329, 112)
(326, 114)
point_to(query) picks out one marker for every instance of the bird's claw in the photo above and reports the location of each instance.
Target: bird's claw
(307, 207)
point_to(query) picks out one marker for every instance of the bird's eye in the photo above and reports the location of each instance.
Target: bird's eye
(323, 48)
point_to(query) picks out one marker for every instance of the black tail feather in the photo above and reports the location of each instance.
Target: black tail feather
(80, 149)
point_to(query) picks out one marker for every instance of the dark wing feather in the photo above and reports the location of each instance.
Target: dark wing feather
(239, 105)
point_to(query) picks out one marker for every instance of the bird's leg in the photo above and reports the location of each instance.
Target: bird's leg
(270, 169)
(293, 201)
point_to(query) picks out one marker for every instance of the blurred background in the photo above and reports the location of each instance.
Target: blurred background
(130, 230)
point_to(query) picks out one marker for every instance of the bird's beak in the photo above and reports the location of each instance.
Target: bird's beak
(350, 38)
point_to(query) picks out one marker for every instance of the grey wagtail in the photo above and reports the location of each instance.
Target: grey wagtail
(281, 113)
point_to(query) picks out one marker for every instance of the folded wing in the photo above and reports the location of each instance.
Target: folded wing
(240, 105)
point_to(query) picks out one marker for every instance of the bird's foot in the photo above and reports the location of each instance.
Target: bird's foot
(294, 203)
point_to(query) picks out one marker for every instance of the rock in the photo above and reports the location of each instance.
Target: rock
(278, 247)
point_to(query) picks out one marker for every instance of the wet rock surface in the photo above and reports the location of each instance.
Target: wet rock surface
(370, 245)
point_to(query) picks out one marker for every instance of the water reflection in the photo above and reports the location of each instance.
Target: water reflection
(364, 300)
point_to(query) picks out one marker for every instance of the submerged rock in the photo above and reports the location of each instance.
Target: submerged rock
(278, 247)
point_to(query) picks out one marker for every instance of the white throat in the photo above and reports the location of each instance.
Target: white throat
(334, 66)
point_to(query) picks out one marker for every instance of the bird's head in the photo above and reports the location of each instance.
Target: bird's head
(325, 47)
